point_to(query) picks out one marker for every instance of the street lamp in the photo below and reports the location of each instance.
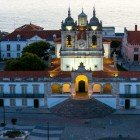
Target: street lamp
(48, 129)
(2, 105)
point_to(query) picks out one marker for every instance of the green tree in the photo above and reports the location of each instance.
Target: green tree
(39, 48)
(28, 61)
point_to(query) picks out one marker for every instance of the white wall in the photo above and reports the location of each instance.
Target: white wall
(89, 63)
(13, 48)
(133, 87)
(18, 85)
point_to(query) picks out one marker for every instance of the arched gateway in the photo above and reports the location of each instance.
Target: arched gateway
(81, 84)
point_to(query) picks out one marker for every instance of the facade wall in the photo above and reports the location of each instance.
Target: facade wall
(14, 53)
(45, 88)
(13, 48)
(18, 85)
(95, 64)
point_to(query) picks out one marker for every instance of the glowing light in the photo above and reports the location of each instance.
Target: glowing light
(69, 28)
(94, 28)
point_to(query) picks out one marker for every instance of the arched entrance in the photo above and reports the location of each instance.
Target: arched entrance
(66, 88)
(107, 88)
(81, 86)
(97, 89)
(56, 88)
(81, 83)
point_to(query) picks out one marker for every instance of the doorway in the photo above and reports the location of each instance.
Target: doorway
(136, 57)
(82, 86)
(1, 103)
(36, 103)
(127, 104)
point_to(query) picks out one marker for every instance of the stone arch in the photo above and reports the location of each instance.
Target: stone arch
(66, 88)
(56, 88)
(97, 88)
(107, 88)
(81, 80)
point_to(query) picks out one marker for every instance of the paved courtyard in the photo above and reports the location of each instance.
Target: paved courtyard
(74, 129)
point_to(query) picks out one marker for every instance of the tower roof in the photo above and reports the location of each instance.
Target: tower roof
(69, 20)
(94, 20)
(82, 14)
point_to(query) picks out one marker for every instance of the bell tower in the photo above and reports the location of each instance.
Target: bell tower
(81, 43)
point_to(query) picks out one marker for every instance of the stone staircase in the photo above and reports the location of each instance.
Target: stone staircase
(82, 109)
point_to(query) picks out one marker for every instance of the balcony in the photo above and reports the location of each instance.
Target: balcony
(129, 95)
(21, 95)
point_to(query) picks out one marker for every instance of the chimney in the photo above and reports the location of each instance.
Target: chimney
(136, 28)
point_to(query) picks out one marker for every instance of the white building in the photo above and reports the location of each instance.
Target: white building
(11, 46)
(40, 89)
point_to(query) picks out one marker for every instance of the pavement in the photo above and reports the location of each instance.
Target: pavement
(127, 112)
(39, 132)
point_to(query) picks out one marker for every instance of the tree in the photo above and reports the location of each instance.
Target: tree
(39, 48)
(28, 61)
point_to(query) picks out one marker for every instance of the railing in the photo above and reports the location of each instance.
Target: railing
(21, 95)
(129, 95)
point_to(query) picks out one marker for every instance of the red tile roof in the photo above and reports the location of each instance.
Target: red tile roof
(134, 37)
(44, 34)
(38, 74)
(29, 27)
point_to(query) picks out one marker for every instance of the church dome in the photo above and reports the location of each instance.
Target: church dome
(94, 21)
(69, 20)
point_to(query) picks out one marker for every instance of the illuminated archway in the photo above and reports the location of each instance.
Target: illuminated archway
(107, 89)
(56, 88)
(81, 83)
(97, 88)
(66, 88)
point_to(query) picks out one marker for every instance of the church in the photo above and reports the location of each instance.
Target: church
(81, 70)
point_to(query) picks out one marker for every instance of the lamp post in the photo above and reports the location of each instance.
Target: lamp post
(4, 122)
(48, 129)
(2, 105)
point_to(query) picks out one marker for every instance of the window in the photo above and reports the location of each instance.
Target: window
(18, 55)
(96, 66)
(67, 66)
(136, 49)
(12, 102)
(8, 55)
(12, 89)
(127, 89)
(24, 89)
(138, 89)
(8, 47)
(35, 89)
(24, 102)
(1, 89)
(18, 47)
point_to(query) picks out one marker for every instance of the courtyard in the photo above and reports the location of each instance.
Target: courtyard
(60, 128)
